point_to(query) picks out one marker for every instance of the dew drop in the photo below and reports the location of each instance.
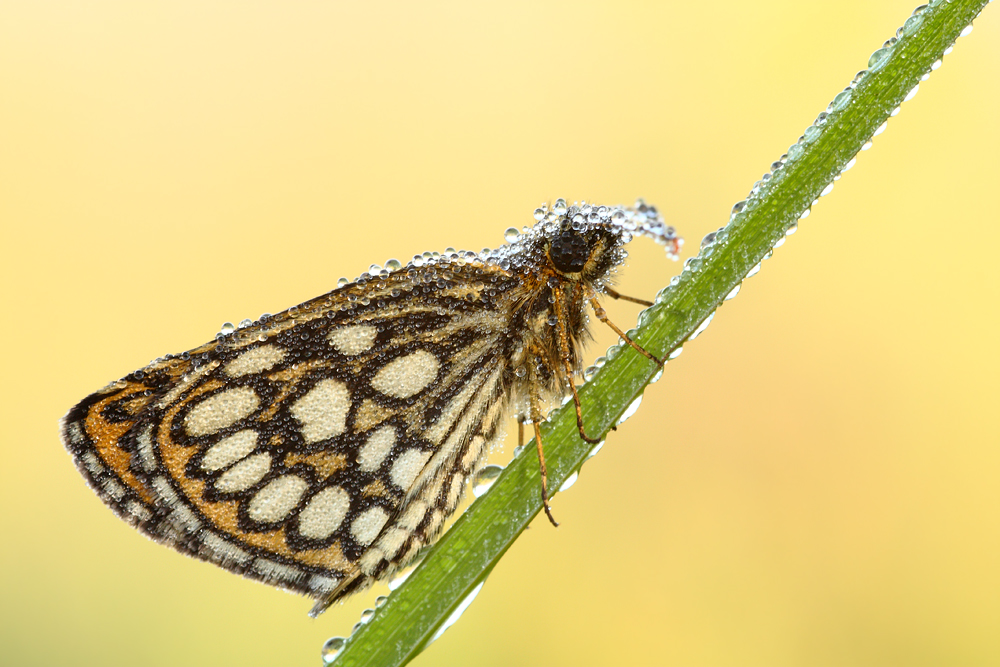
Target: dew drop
(805, 214)
(484, 479)
(630, 410)
(401, 576)
(227, 328)
(245, 323)
(733, 292)
(374, 269)
(850, 164)
(593, 452)
(791, 230)
(841, 100)
(754, 271)
(657, 376)
(333, 647)
(570, 481)
(393, 265)
(812, 133)
(866, 145)
(880, 130)
(511, 234)
(935, 64)
(380, 601)
(539, 213)
(559, 208)
(737, 207)
(827, 190)
(878, 59)
(367, 615)
(460, 609)
(701, 327)
(966, 31)
(913, 91)
(911, 24)
(894, 113)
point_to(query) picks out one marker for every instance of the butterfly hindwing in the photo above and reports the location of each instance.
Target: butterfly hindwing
(316, 450)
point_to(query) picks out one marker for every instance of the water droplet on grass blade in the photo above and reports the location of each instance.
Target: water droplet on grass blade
(484, 479)
(701, 327)
(570, 481)
(633, 406)
(333, 647)
(459, 610)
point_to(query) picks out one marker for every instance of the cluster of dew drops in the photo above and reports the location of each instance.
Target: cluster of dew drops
(485, 478)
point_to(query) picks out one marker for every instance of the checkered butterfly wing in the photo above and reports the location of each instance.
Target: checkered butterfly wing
(319, 449)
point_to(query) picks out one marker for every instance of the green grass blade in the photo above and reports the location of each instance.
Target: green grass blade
(466, 554)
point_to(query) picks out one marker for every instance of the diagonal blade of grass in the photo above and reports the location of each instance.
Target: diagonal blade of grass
(466, 554)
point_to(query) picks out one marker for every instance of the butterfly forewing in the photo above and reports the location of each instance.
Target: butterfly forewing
(317, 449)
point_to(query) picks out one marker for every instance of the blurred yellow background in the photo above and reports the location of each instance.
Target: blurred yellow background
(816, 481)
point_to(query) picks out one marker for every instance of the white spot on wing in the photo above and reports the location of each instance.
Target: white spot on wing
(324, 513)
(451, 412)
(476, 448)
(223, 550)
(414, 515)
(145, 445)
(244, 474)
(407, 376)
(221, 410)
(277, 499)
(75, 433)
(406, 468)
(320, 584)
(113, 488)
(354, 339)
(138, 511)
(323, 411)
(392, 541)
(273, 570)
(366, 527)
(256, 360)
(93, 465)
(375, 449)
(228, 450)
(183, 516)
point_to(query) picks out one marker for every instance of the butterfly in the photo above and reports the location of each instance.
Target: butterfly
(320, 449)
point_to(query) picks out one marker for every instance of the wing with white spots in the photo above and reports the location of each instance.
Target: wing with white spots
(316, 450)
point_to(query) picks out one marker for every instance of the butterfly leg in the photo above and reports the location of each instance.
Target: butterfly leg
(568, 366)
(618, 295)
(536, 418)
(603, 316)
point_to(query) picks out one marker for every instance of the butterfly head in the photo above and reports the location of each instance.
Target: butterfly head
(586, 240)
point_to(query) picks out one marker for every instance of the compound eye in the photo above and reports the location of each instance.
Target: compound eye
(569, 251)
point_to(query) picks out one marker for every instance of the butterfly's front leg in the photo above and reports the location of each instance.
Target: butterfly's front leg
(536, 418)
